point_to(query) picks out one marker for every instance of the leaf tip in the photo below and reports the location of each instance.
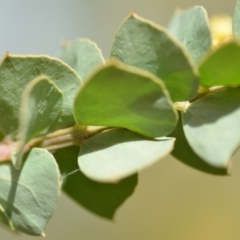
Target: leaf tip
(178, 10)
(133, 13)
(64, 42)
(43, 234)
(5, 55)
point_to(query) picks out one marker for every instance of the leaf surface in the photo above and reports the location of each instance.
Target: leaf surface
(119, 153)
(221, 66)
(102, 199)
(41, 106)
(120, 96)
(82, 55)
(211, 126)
(29, 196)
(145, 45)
(191, 27)
(184, 153)
(15, 74)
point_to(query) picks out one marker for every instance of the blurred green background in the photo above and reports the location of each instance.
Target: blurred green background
(172, 201)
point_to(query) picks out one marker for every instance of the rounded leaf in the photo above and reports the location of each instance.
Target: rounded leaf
(145, 45)
(191, 27)
(29, 196)
(17, 71)
(119, 153)
(82, 55)
(41, 106)
(221, 66)
(121, 96)
(184, 153)
(102, 199)
(211, 125)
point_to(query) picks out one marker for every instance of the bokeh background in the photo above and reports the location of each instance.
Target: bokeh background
(171, 201)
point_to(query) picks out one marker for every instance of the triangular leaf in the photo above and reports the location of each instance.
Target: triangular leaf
(121, 96)
(191, 27)
(211, 126)
(101, 198)
(184, 153)
(82, 55)
(41, 106)
(17, 71)
(221, 66)
(145, 45)
(119, 153)
(29, 196)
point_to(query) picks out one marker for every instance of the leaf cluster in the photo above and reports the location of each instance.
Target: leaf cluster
(87, 126)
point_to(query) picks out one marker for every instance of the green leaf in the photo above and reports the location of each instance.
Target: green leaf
(236, 21)
(184, 153)
(41, 106)
(145, 45)
(119, 153)
(82, 55)
(211, 126)
(191, 27)
(17, 71)
(29, 196)
(101, 198)
(221, 66)
(120, 96)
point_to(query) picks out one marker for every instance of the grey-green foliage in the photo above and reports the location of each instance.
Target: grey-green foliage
(211, 124)
(29, 196)
(122, 119)
(17, 71)
(102, 199)
(183, 152)
(104, 157)
(82, 55)
(41, 105)
(191, 27)
(145, 45)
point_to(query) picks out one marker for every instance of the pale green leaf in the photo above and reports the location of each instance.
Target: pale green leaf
(236, 21)
(145, 45)
(211, 126)
(102, 199)
(120, 96)
(119, 153)
(184, 153)
(191, 27)
(41, 106)
(17, 71)
(82, 55)
(221, 66)
(29, 196)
